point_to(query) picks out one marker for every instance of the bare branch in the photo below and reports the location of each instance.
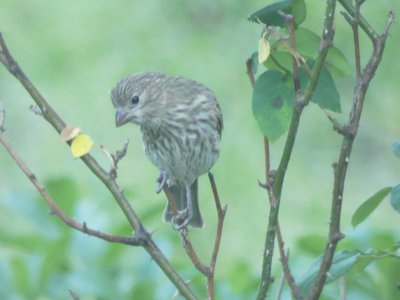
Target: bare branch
(54, 119)
(207, 271)
(326, 42)
(2, 117)
(73, 295)
(55, 210)
(362, 82)
(285, 265)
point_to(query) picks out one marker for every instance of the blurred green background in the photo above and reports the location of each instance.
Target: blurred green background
(75, 51)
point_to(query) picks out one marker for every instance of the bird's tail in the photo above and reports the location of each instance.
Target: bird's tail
(179, 194)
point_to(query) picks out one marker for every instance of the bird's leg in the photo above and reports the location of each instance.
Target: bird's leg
(161, 180)
(182, 218)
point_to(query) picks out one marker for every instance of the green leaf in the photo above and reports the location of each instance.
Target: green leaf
(396, 148)
(272, 104)
(326, 94)
(307, 45)
(307, 42)
(342, 262)
(279, 60)
(269, 14)
(395, 198)
(367, 207)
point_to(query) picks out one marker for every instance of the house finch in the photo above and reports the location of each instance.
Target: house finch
(181, 122)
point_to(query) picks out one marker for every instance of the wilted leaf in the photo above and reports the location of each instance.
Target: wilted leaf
(367, 207)
(263, 50)
(81, 145)
(254, 62)
(269, 14)
(69, 132)
(396, 148)
(395, 198)
(272, 104)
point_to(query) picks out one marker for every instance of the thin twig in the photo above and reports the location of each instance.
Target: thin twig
(221, 212)
(354, 26)
(275, 203)
(2, 116)
(285, 265)
(116, 158)
(119, 154)
(170, 199)
(340, 128)
(50, 115)
(209, 270)
(188, 246)
(366, 27)
(73, 295)
(55, 210)
(250, 72)
(275, 191)
(281, 286)
(342, 288)
(340, 170)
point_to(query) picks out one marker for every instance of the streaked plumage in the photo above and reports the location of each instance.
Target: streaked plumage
(181, 126)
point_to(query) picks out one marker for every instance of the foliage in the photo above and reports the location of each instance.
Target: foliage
(42, 258)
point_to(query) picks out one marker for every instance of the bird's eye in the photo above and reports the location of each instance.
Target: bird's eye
(135, 99)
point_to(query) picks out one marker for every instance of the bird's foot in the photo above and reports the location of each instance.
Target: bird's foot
(161, 180)
(181, 219)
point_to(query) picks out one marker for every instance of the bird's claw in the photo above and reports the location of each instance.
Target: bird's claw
(161, 180)
(181, 219)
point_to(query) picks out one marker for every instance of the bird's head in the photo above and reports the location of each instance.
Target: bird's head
(135, 98)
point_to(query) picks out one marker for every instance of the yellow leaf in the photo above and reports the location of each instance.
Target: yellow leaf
(81, 145)
(263, 50)
(69, 132)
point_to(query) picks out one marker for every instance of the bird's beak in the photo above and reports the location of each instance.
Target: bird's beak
(121, 117)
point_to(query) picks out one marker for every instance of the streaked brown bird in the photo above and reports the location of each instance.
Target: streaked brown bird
(181, 123)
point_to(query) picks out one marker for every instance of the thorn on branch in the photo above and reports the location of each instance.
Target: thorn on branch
(36, 110)
(84, 227)
(263, 185)
(2, 117)
(115, 158)
(340, 128)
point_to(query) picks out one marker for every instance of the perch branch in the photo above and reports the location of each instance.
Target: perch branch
(301, 102)
(55, 210)
(54, 119)
(209, 270)
(340, 169)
